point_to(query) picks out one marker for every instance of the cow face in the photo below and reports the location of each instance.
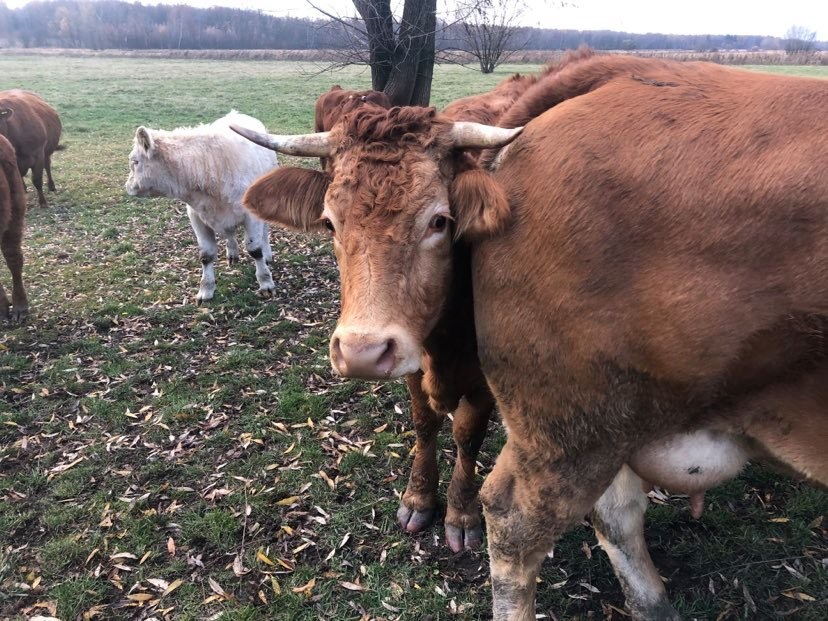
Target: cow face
(148, 173)
(398, 193)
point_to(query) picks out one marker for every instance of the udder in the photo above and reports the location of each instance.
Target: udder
(692, 463)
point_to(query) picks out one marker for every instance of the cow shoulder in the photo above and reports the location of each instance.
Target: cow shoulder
(292, 198)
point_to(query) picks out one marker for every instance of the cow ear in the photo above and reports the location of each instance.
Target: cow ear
(144, 139)
(6, 113)
(479, 205)
(292, 198)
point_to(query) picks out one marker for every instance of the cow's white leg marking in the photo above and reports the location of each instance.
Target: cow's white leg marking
(618, 519)
(208, 248)
(257, 244)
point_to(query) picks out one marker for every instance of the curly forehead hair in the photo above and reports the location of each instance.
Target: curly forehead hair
(408, 126)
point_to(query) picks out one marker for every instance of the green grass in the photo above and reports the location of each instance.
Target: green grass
(145, 440)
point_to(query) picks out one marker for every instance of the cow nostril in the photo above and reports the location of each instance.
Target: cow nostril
(385, 363)
(335, 349)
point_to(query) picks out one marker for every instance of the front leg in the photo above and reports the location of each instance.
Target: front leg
(208, 249)
(471, 419)
(419, 502)
(258, 247)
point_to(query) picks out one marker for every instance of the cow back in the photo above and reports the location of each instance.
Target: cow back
(26, 129)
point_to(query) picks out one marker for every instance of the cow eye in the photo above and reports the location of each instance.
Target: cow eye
(329, 225)
(438, 223)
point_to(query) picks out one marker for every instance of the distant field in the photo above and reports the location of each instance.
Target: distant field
(163, 460)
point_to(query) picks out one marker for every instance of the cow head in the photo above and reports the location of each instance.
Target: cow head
(147, 169)
(398, 193)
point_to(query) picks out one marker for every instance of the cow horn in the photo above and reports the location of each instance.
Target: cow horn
(305, 145)
(467, 135)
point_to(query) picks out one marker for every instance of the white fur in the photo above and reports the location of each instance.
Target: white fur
(209, 167)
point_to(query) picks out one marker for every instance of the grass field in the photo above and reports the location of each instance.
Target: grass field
(169, 461)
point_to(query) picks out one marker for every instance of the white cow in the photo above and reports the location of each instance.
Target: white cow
(208, 167)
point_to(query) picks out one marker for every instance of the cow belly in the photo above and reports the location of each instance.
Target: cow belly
(691, 463)
(222, 217)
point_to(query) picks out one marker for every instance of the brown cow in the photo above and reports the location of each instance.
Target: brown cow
(12, 215)
(649, 260)
(34, 131)
(489, 107)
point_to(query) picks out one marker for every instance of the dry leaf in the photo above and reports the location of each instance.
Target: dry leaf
(351, 586)
(173, 586)
(261, 556)
(305, 589)
(287, 501)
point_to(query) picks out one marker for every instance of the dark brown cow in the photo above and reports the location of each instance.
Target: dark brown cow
(650, 278)
(34, 130)
(12, 216)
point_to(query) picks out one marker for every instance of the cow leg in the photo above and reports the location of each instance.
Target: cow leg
(13, 254)
(258, 249)
(208, 250)
(788, 421)
(232, 250)
(47, 164)
(530, 499)
(268, 252)
(618, 519)
(37, 180)
(419, 502)
(471, 419)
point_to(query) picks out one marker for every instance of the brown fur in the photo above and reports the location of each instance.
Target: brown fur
(34, 131)
(333, 104)
(489, 107)
(664, 220)
(12, 216)
(298, 209)
(668, 222)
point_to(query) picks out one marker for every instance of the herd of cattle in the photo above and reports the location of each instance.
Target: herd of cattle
(629, 257)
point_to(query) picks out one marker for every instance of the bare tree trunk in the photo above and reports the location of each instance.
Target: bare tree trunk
(401, 66)
(379, 23)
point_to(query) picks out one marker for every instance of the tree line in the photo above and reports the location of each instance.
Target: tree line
(112, 24)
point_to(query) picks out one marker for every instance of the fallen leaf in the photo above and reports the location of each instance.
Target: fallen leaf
(306, 588)
(351, 586)
(173, 586)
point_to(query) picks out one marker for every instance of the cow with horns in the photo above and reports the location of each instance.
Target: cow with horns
(649, 266)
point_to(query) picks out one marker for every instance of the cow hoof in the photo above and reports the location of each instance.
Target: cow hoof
(413, 521)
(18, 315)
(661, 611)
(266, 293)
(459, 538)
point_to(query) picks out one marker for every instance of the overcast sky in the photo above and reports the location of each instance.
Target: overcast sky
(755, 17)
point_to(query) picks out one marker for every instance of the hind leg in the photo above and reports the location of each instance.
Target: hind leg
(618, 520)
(533, 495)
(37, 180)
(47, 165)
(790, 422)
